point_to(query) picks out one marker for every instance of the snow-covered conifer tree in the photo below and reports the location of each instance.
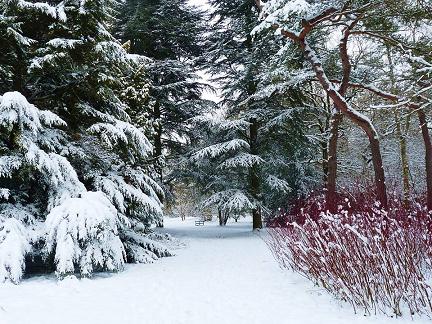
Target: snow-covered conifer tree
(82, 74)
(94, 188)
(33, 178)
(251, 141)
(170, 33)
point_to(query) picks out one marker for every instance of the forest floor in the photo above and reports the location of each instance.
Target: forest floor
(222, 275)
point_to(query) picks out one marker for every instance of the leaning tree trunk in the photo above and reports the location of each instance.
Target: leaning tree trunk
(254, 177)
(428, 155)
(331, 195)
(362, 121)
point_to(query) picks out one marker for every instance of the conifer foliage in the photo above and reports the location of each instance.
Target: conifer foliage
(76, 190)
(171, 34)
(248, 158)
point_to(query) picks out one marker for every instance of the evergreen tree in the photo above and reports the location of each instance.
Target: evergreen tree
(257, 122)
(33, 178)
(171, 34)
(71, 65)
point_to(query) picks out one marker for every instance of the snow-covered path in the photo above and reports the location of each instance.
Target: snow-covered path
(224, 275)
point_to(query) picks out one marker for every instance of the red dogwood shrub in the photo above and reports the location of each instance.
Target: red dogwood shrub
(377, 260)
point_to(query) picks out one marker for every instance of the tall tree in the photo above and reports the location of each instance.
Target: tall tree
(247, 143)
(171, 34)
(72, 66)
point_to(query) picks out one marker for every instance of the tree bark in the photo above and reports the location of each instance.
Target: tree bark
(325, 157)
(223, 217)
(428, 154)
(404, 159)
(331, 195)
(400, 134)
(254, 175)
(158, 140)
(19, 71)
(220, 217)
(256, 218)
(378, 170)
(158, 151)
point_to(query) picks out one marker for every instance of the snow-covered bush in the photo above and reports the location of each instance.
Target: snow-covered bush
(83, 233)
(376, 260)
(18, 231)
(145, 248)
(14, 245)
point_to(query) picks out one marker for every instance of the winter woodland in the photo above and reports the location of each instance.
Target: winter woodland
(297, 131)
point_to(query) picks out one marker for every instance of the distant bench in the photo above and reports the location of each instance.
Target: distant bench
(199, 222)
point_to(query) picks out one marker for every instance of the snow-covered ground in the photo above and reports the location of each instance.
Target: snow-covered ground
(223, 275)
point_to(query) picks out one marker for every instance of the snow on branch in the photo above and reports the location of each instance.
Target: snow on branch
(287, 15)
(122, 132)
(144, 248)
(219, 149)
(15, 109)
(64, 43)
(14, 245)
(123, 194)
(278, 184)
(282, 118)
(19, 38)
(9, 164)
(26, 123)
(113, 51)
(83, 234)
(242, 160)
(229, 200)
(220, 123)
(42, 7)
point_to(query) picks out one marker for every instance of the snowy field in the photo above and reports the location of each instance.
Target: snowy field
(223, 275)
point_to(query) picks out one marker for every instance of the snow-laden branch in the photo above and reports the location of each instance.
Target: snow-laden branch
(219, 149)
(83, 234)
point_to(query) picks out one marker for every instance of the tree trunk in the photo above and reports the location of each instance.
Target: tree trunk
(158, 140)
(158, 151)
(362, 121)
(400, 134)
(331, 198)
(379, 170)
(428, 155)
(19, 71)
(325, 156)
(220, 217)
(223, 217)
(404, 159)
(256, 218)
(254, 175)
